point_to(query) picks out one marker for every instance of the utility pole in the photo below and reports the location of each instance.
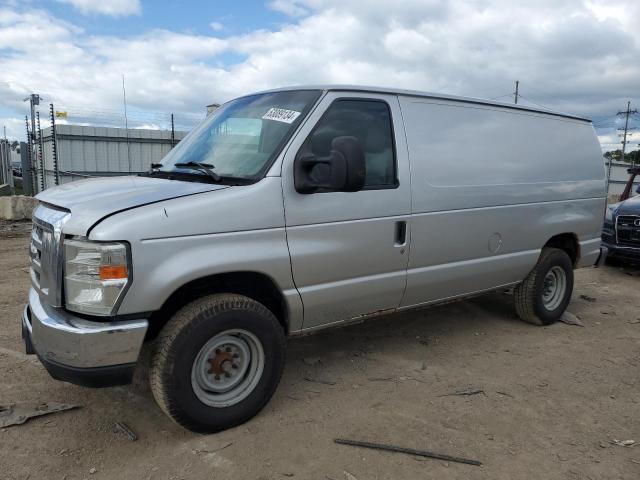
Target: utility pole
(626, 113)
(34, 99)
(515, 94)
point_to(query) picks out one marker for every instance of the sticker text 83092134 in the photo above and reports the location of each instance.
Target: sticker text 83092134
(281, 115)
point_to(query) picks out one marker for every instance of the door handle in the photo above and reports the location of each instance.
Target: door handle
(400, 239)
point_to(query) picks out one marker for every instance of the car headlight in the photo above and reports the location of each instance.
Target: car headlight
(608, 216)
(96, 275)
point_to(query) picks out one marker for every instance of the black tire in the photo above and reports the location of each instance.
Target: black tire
(180, 342)
(528, 295)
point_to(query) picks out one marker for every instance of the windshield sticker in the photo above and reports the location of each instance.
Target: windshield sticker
(281, 115)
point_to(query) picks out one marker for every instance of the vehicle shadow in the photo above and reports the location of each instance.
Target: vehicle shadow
(399, 339)
(626, 267)
(421, 328)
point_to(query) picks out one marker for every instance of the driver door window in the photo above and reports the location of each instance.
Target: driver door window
(370, 122)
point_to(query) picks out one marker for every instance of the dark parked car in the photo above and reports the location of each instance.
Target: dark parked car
(621, 231)
(17, 169)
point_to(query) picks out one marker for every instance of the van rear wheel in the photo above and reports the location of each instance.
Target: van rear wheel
(543, 296)
(217, 362)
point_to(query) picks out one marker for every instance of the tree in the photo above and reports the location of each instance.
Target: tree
(629, 157)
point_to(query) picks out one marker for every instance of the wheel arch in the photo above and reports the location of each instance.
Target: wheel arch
(567, 242)
(255, 285)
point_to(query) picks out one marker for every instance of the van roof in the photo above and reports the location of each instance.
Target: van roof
(417, 93)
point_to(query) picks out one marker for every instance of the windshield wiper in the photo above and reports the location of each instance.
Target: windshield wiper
(202, 167)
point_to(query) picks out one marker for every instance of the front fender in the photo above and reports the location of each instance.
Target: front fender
(240, 228)
(161, 266)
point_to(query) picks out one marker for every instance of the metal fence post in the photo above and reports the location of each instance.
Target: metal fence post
(26, 173)
(54, 146)
(32, 170)
(5, 165)
(12, 185)
(173, 133)
(43, 184)
(5, 162)
(3, 174)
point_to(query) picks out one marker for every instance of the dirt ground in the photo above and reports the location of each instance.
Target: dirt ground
(555, 398)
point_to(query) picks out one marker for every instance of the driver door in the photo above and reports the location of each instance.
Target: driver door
(349, 250)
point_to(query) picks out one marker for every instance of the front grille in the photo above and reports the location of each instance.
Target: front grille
(45, 251)
(35, 252)
(628, 230)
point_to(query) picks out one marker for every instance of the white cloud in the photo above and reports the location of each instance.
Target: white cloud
(113, 8)
(15, 128)
(609, 140)
(290, 8)
(216, 26)
(574, 56)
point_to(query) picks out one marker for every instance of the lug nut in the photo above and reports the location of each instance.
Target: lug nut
(228, 349)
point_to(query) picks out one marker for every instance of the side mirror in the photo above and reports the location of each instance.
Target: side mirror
(343, 170)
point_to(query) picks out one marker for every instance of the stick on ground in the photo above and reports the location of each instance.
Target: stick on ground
(123, 428)
(408, 451)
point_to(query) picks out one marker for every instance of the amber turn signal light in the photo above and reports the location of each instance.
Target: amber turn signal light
(113, 272)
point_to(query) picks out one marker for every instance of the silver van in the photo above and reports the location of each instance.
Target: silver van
(302, 208)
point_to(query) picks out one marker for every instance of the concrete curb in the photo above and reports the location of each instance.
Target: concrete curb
(17, 207)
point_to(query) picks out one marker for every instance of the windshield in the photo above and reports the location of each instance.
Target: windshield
(241, 138)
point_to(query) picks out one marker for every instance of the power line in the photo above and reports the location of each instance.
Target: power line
(480, 93)
(626, 113)
(544, 94)
(615, 115)
(500, 96)
(536, 104)
(604, 123)
(135, 118)
(517, 95)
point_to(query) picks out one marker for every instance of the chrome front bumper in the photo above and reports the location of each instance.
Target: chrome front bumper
(68, 343)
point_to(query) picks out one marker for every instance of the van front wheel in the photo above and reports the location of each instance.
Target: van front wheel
(544, 294)
(217, 362)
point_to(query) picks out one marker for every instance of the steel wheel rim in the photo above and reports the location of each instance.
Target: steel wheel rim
(227, 368)
(554, 288)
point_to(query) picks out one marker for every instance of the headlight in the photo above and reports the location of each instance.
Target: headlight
(95, 275)
(608, 216)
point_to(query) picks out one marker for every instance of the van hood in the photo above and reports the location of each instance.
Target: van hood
(89, 201)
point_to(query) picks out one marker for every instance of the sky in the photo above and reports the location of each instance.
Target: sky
(576, 56)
